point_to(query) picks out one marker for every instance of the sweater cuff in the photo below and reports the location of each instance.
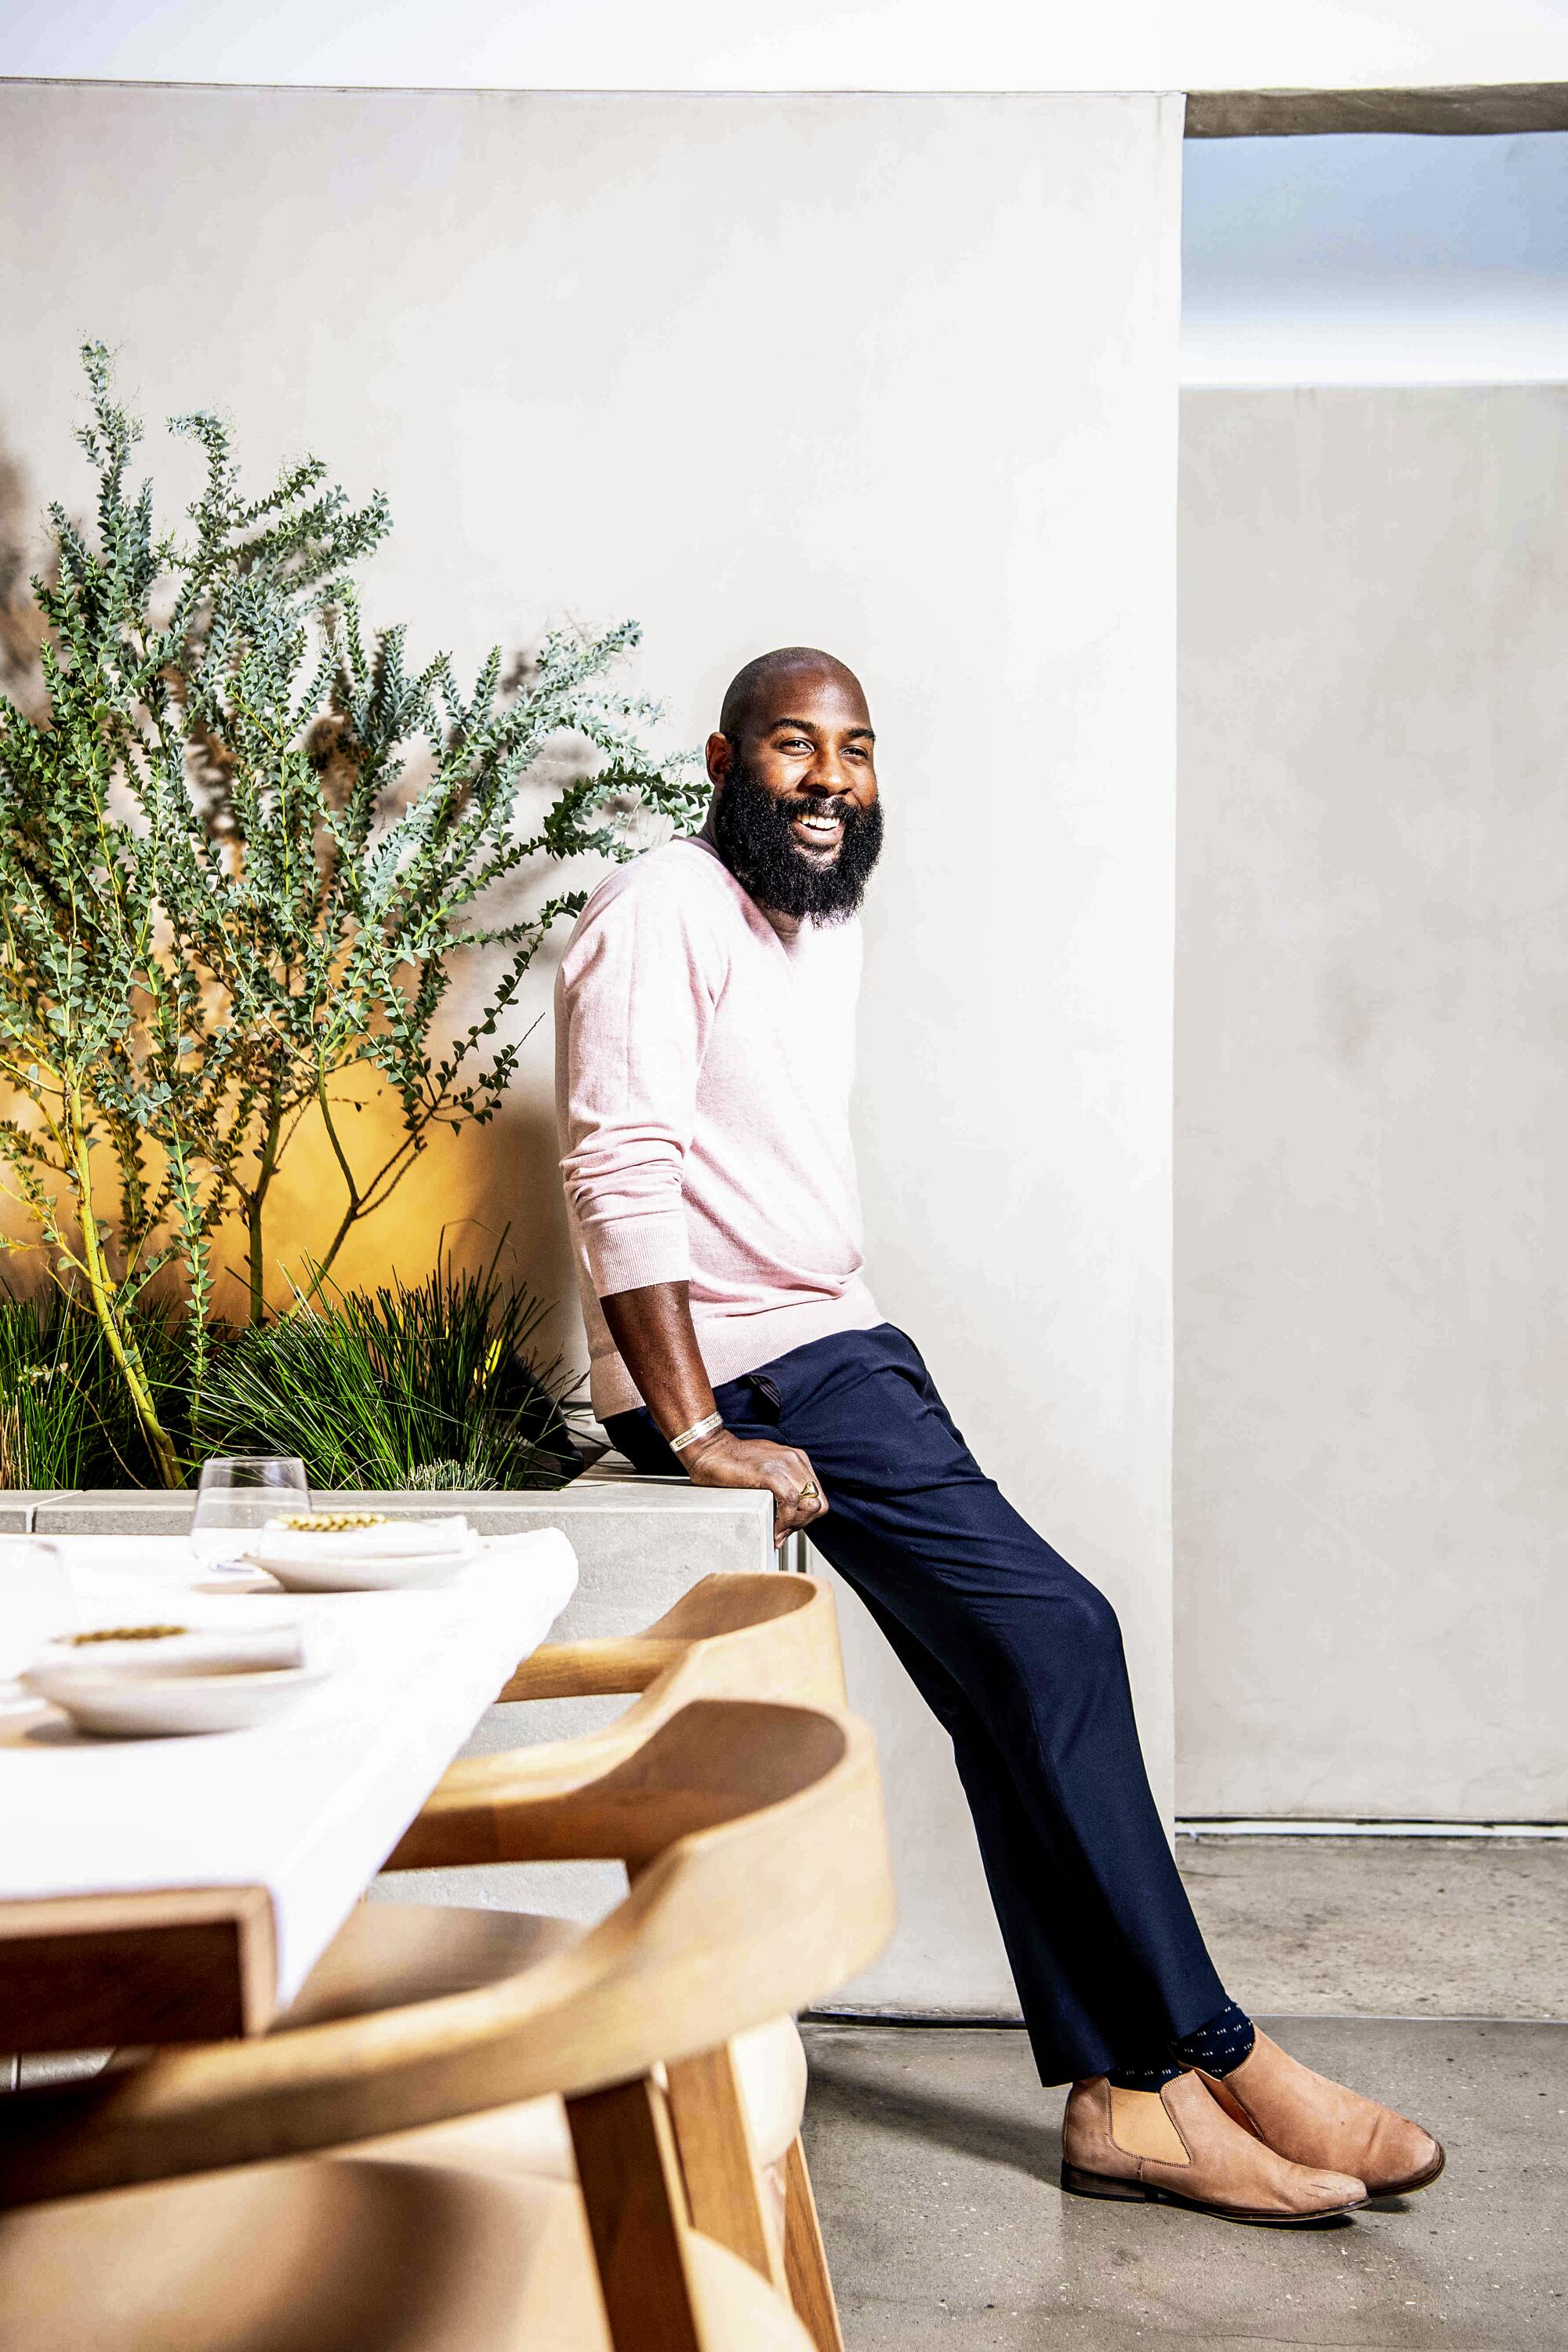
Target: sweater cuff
(635, 1251)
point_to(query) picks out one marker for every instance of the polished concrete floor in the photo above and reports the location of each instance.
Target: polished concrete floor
(936, 2154)
(1347, 1926)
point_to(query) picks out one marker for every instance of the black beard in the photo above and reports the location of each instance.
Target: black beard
(751, 834)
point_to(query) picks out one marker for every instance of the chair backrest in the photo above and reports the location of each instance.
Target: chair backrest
(768, 1636)
(756, 1636)
(763, 1882)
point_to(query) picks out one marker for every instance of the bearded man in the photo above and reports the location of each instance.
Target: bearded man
(705, 1024)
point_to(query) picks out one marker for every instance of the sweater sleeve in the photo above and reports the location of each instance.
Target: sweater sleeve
(636, 1003)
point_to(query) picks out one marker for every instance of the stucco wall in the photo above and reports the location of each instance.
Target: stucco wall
(1372, 1156)
(892, 374)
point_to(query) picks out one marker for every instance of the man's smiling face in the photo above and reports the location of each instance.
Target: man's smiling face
(796, 814)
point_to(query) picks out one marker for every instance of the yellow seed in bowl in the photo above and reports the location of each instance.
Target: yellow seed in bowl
(316, 1523)
(126, 1633)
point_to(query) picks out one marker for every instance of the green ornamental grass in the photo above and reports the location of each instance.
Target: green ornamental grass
(426, 1385)
(64, 1417)
(46, 1417)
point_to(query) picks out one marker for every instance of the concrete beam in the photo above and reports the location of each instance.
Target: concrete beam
(1472, 111)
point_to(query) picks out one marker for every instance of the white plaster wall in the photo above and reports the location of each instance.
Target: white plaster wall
(895, 374)
(1372, 1155)
(1014, 1129)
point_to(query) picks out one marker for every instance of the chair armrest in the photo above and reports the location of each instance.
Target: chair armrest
(761, 1636)
(593, 1669)
(609, 1797)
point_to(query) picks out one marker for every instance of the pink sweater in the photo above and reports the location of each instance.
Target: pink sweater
(703, 1057)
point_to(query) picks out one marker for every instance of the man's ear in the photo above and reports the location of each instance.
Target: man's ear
(718, 752)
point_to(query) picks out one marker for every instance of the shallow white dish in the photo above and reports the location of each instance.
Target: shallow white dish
(325, 1572)
(225, 1639)
(140, 1706)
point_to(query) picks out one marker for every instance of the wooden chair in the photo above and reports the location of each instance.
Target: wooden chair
(730, 1636)
(754, 1835)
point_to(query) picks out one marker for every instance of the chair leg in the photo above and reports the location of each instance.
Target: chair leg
(630, 2178)
(713, 2135)
(805, 2262)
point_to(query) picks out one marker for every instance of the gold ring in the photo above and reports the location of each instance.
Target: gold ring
(808, 1493)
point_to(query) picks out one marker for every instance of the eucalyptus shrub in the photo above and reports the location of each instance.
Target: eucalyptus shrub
(242, 853)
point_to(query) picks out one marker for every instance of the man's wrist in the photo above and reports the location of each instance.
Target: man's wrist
(693, 1435)
(703, 1448)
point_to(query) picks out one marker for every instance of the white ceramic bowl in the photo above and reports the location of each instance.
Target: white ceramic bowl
(144, 1706)
(324, 1573)
(241, 1639)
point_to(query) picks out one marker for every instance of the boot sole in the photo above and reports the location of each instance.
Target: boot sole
(1417, 2180)
(1078, 2183)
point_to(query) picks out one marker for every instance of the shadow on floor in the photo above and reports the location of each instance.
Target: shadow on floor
(851, 2088)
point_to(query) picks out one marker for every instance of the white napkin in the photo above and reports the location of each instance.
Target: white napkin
(442, 1538)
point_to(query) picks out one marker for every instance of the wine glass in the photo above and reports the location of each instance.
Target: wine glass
(246, 1490)
(36, 1600)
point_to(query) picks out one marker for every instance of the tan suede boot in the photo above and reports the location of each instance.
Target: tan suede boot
(1179, 2146)
(1315, 2121)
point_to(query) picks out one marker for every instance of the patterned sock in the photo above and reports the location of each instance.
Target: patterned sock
(1219, 2045)
(1150, 2077)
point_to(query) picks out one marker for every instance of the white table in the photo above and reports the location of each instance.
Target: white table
(159, 1890)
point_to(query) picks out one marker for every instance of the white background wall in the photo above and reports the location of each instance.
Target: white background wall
(1370, 1127)
(892, 374)
(1372, 1116)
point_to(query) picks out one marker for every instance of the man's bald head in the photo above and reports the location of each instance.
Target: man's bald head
(751, 699)
(794, 814)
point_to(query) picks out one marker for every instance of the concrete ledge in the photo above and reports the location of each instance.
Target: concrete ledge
(639, 1545)
(17, 1505)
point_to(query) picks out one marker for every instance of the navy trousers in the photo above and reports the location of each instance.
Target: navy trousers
(1020, 1658)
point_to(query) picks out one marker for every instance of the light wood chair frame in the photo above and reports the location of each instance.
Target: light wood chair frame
(743, 1635)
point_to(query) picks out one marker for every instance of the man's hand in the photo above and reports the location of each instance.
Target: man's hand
(652, 1328)
(785, 1472)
